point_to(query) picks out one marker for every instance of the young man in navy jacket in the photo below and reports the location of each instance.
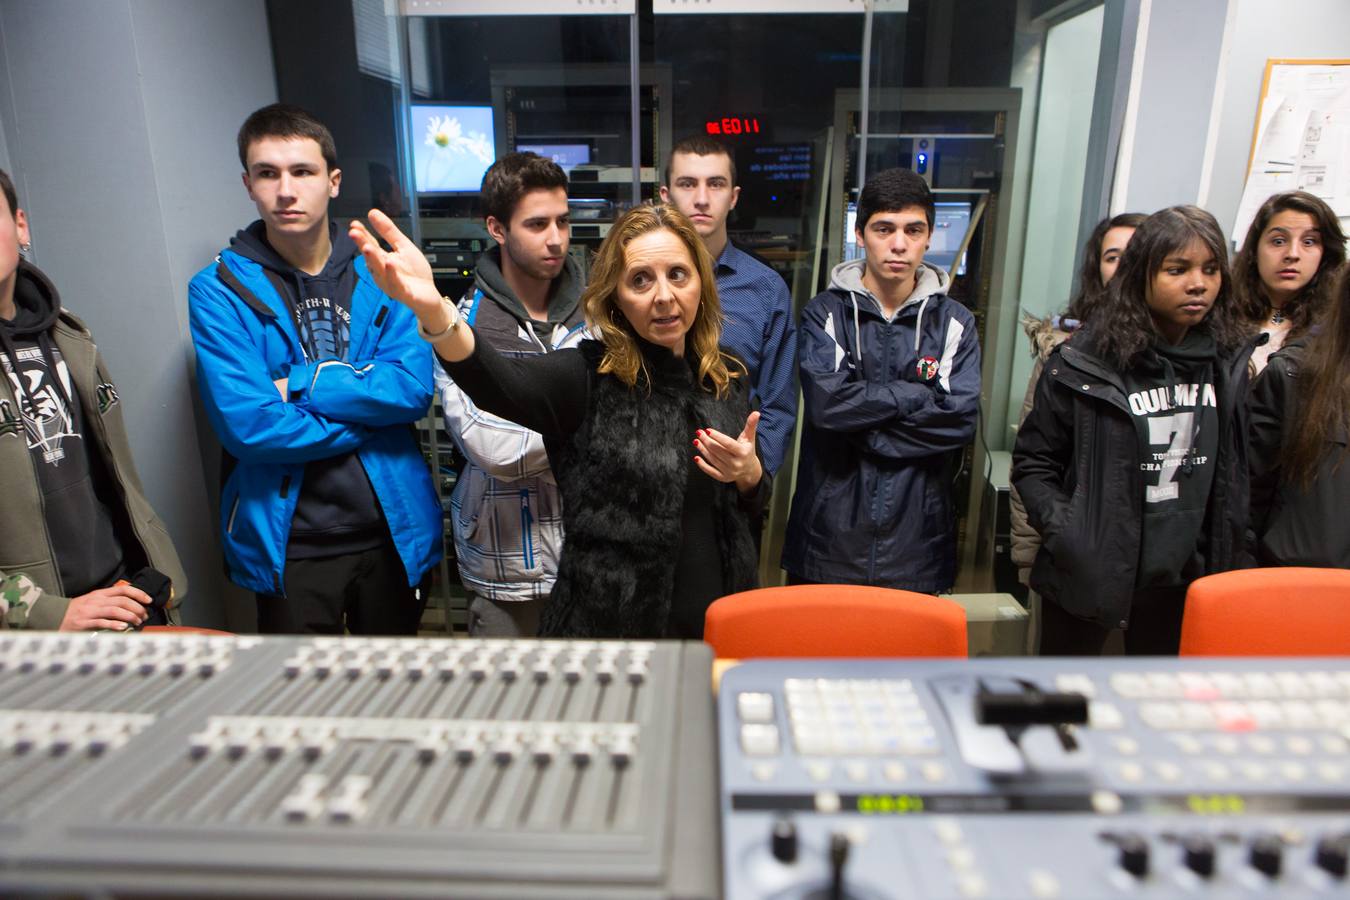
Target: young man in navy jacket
(890, 372)
(310, 376)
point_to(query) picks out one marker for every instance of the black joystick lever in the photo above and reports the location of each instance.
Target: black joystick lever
(1016, 710)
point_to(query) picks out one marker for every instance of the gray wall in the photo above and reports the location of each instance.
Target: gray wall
(119, 119)
(1163, 153)
(1295, 29)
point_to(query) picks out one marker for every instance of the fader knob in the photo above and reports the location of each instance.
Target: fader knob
(1266, 854)
(1333, 855)
(783, 841)
(1198, 855)
(1133, 854)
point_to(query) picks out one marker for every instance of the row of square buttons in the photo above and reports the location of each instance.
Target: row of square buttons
(1219, 685)
(1235, 716)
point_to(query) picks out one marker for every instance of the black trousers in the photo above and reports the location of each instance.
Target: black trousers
(1155, 627)
(365, 593)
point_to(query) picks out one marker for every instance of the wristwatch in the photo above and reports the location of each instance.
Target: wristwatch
(452, 311)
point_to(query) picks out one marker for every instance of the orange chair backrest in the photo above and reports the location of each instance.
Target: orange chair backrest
(1268, 612)
(834, 620)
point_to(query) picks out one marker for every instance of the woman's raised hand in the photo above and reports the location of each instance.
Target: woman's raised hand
(402, 272)
(730, 459)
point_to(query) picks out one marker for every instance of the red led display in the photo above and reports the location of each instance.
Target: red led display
(733, 125)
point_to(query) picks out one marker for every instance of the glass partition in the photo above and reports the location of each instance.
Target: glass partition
(810, 95)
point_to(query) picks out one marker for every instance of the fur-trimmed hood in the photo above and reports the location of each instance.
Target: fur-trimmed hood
(1048, 333)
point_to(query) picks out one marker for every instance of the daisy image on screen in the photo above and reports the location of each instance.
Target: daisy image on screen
(456, 149)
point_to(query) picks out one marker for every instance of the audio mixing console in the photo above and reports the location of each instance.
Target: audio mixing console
(188, 764)
(1035, 778)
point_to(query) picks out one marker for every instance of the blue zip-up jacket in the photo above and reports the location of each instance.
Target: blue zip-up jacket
(888, 403)
(245, 339)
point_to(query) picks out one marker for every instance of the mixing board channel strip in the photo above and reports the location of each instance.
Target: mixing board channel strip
(375, 767)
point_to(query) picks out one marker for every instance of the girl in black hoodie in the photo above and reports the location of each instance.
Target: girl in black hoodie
(1132, 463)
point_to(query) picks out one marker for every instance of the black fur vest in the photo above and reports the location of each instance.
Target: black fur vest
(622, 476)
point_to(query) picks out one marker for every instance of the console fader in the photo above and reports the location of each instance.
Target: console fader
(188, 764)
(1003, 778)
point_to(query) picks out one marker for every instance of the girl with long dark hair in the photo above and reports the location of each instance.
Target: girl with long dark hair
(1132, 463)
(1300, 422)
(1286, 270)
(1101, 258)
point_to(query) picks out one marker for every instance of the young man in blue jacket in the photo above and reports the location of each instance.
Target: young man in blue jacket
(756, 307)
(890, 372)
(310, 376)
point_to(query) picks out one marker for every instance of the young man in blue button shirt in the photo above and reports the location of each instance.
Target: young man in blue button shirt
(756, 307)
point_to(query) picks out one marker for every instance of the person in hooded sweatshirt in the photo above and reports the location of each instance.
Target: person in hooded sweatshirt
(310, 376)
(890, 375)
(1132, 461)
(74, 521)
(525, 300)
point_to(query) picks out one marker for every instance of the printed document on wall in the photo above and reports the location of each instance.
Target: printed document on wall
(1302, 140)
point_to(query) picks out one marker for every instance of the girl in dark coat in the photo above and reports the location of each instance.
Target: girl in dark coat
(1132, 463)
(1300, 419)
(649, 429)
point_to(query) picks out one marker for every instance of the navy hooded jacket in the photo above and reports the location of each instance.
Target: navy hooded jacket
(888, 403)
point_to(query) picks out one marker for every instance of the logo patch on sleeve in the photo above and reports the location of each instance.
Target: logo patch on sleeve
(927, 368)
(107, 397)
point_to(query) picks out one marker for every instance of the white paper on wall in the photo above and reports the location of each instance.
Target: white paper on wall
(1302, 140)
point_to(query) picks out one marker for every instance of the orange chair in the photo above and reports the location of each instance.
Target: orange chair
(1268, 612)
(834, 620)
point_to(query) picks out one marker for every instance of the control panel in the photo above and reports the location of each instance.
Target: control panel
(1035, 778)
(189, 764)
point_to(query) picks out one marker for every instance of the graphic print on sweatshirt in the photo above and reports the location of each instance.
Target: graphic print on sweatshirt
(48, 421)
(1175, 416)
(325, 328)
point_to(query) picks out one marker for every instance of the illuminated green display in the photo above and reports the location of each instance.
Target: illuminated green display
(1216, 804)
(889, 804)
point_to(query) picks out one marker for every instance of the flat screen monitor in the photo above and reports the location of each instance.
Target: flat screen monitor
(565, 155)
(453, 145)
(951, 221)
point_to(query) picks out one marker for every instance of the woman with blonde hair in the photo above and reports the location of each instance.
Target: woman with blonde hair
(648, 429)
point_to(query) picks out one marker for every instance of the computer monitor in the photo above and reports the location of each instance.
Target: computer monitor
(453, 145)
(565, 155)
(951, 221)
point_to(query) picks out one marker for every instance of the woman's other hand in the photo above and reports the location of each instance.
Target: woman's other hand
(731, 459)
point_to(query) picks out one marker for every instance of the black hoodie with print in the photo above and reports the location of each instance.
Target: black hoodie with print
(1172, 397)
(336, 512)
(77, 494)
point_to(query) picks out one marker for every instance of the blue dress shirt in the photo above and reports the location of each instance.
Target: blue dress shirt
(757, 326)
